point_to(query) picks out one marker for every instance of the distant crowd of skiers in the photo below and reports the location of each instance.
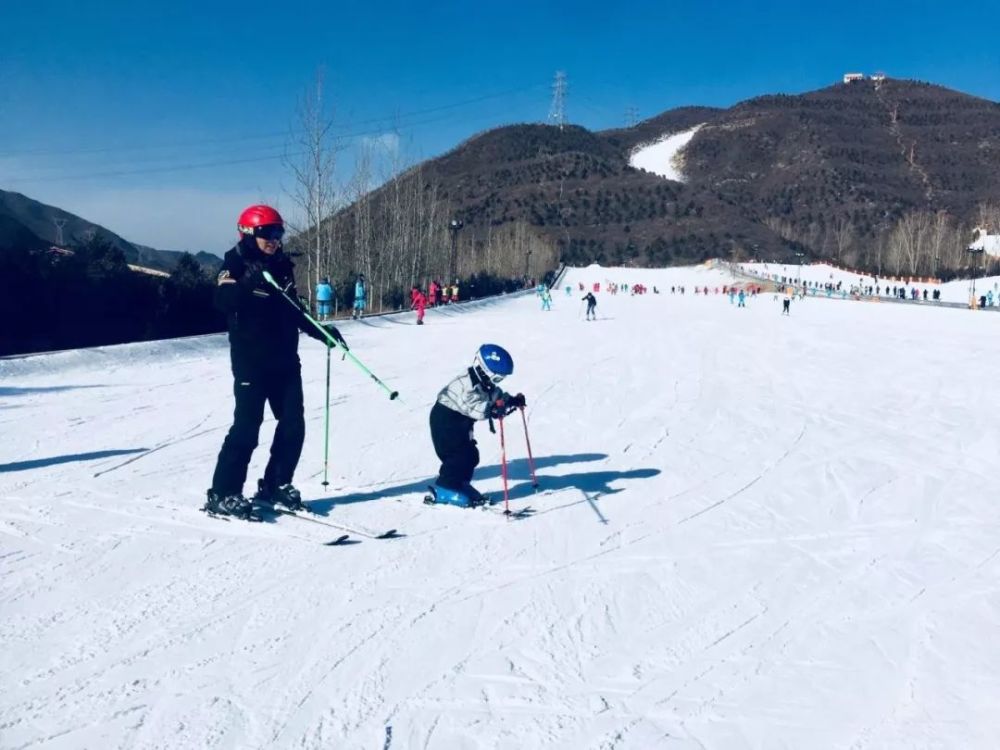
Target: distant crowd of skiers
(437, 294)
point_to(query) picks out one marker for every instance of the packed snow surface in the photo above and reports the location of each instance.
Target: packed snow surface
(663, 157)
(753, 531)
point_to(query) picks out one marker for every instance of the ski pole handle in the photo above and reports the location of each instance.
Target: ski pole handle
(331, 341)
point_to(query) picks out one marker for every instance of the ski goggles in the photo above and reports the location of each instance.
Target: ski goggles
(485, 374)
(269, 232)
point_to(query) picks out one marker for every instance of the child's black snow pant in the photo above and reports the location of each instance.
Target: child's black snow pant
(451, 434)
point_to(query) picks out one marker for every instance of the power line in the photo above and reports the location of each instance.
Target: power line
(189, 166)
(262, 136)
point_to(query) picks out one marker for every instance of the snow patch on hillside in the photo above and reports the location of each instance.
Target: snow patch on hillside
(664, 157)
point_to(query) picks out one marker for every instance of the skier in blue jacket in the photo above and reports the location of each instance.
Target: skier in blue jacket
(359, 297)
(324, 299)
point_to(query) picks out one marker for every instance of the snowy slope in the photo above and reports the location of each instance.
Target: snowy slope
(663, 157)
(753, 534)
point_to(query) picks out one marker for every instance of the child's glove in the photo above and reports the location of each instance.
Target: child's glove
(518, 401)
(500, 409)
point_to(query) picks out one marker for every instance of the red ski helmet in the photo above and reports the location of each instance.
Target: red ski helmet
(258, 216)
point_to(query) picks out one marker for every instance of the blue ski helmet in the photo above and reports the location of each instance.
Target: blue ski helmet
(494, 361)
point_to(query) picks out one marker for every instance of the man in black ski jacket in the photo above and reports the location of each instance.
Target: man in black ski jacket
(263, 345)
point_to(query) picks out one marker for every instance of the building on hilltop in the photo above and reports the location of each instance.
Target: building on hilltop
(988, 243)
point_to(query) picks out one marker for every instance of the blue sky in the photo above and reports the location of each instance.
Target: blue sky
(162, 120)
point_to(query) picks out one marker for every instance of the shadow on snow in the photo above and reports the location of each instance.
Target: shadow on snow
(38, 463)
(590, 483)
(7, 391)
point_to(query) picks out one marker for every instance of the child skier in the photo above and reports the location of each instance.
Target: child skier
(472, 396)
(591, 301)
(546, 299)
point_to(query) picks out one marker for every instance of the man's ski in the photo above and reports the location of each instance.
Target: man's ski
(343, 539)
(390, 534)
(252, 518)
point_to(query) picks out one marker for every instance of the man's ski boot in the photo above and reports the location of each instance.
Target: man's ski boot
(236, 506)
(285, 496)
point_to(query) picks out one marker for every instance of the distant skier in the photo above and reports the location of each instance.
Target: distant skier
(786, 304)
(418, 302)
(472, 396)
(324, 299)
(359, 297)
(591, 301)
(546, 299)
(263, 346)
(741, 299)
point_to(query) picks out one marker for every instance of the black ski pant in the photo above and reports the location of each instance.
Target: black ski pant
(451, 434)
(283, 391)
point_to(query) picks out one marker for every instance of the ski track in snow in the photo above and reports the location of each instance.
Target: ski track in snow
(752, 531)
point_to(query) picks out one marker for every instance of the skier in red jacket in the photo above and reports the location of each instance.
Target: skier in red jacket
(418, 302)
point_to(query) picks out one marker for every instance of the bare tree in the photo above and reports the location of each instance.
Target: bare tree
(843, 235)
(312, 161)
(939, 239)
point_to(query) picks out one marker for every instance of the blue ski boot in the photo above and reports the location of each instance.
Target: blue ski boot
(476, 498)
(467, 497)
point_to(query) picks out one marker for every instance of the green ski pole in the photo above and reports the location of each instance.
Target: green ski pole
(330, 339)
(326, 442)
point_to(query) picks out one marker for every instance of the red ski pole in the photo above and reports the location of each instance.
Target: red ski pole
(503, 470)
(531, 459)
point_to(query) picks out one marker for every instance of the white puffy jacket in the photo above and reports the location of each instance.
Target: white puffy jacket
(471, 395)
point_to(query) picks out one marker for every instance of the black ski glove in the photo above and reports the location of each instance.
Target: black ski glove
(332, 330)
(518, 401)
